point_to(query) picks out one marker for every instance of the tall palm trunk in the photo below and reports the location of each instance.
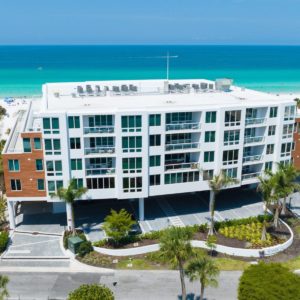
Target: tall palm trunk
(70, 217)
(201, 290)
(181, 271)
(264, 231)
(276, 216)
(283, 210)
(212, 212)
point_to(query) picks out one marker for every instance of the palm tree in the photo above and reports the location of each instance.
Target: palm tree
(297, 100)
(265, 187)
(3, 287)
(176, 248)
(216, 184)
(69, 195)
(205, 270)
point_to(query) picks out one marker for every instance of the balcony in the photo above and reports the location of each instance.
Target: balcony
(182, 146)
(100, 150)
(252, 158)
(98, 170)
(190, 165)
(254, 139)
(255, 121)
(250, 175)
(99, 129)
(183, 126)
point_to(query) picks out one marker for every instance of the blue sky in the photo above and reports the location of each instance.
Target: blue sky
(150, 22)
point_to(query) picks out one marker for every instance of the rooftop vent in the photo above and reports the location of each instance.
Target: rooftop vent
(223, 84)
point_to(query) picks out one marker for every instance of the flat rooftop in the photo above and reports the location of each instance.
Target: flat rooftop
(144, 95)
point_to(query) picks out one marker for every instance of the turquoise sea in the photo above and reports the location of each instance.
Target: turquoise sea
(23, 69)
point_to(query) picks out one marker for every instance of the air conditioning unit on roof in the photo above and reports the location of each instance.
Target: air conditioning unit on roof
(223, 84)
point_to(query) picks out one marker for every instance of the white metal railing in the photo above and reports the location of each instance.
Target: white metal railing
(183, 126)
(252, 121)
(100, 149)
(250, 175)
(181, 146)
(251, 158)
(191, 165)
(287, 135)
(99, 129)
(254, 139)
(100, 171)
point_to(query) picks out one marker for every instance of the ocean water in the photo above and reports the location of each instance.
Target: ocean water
(23, 69)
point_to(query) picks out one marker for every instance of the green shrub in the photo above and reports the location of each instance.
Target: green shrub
(269, 281)
(100, 243)
(85, 248)
(4, 239)
(96, 259)
(91, 292)
(203, 227)
(152, 235)
(68, 234)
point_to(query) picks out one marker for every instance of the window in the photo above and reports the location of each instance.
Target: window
(52, 146)
(231, 137)
(15, 185)
(289, 113)
(78, 183)
(271, 130)
(154, 120)
(26, 145)
(154, 160)
(132, 143)
(210, 117)
(40, 184)
(287, 131)
(131, 123)
(13, 165)
(76, 164)
(132, 184)
(54, 186)
(268, 166)
(273, 112)
(270, 149)
(75, 143)
(74, 122)
(182, 177)
(208, 174)
(37, 143)
(54, 168)
(210, 136)
(232, 173)
(251, 113)
(179, 117)
(101, 145)
(39, 165)
(230, 157)
(100, 183)
(209, 156)
(99, 165)
(233, 118)
(155, 140)
(154, 180)
(132, 165)
(51, 125)
(286, 149)
(101, 121)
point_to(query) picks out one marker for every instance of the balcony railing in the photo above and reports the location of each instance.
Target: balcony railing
(100, 171)
(100, 149)
(182, 146)
(250, 175)
(183, 126)
(99, 129)
(191, 165)
(252, 121)
(254, 139)
(252, 158)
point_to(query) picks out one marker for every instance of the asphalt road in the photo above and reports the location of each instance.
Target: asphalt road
(146, 285)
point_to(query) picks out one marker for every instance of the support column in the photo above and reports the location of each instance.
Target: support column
(141, 209)
(11, 214)
(69, 215)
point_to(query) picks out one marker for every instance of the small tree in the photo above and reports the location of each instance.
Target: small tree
(69, 195)
(176, 248)
(2, 111)
(3, 287)
(211, 243)
(269, 281)
(297, 100)
(117, 225)
(91, 292)
(205, 270)
(217, 183)
(3, 205)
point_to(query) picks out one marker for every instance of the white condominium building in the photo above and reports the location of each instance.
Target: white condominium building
(137, 139)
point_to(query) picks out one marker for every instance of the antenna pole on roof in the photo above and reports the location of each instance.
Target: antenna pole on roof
(168, 63)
